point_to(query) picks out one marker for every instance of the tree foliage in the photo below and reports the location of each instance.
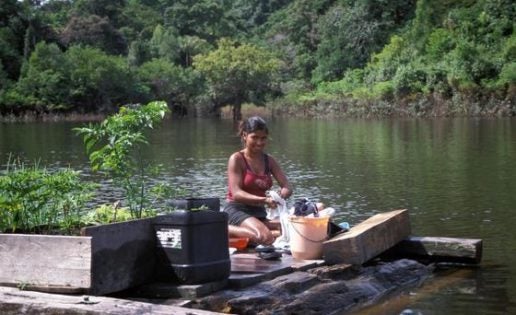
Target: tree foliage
(351, 32)
(237, 73)
(102, 53)
(94, 31)
(176, 85)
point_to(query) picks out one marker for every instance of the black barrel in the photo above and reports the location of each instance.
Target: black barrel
(192, 246)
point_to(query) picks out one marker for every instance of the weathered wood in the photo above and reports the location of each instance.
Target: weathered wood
(368, 239)
(123, 255)
(339, 271)
(174, 290)
(106, 259)
(248, 269)
(14, 302)
(309, 293)
(443, 248)
(45, 262)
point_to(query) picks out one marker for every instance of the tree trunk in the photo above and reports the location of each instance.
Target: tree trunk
(237, 112)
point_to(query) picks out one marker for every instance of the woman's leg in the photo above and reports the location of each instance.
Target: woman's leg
(274, 226)
(239, 231)
(259, 231)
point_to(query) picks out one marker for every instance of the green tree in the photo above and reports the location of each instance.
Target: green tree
(139, 20)
(110, 9)
(202, 18)
(44, 84)
(94, 31)
(139, 52)
(191, 46)
(292, 31)
(237, 73)
(251, 14)
(176, 85)
(351, 31)
(12, 30)
(165, 43)
(97, 81)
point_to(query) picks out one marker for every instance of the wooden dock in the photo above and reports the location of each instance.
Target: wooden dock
(286, 285)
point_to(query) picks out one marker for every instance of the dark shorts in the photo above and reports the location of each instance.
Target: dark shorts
(238, 212)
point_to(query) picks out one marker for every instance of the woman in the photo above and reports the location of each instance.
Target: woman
(250, 175)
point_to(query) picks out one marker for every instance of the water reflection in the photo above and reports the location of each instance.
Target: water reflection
(456, 177)
(453, 291)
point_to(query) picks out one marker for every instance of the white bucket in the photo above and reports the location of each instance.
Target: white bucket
(307, 235)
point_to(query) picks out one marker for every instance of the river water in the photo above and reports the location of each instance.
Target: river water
(457, 178)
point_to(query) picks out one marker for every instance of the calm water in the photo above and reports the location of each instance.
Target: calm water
(457, 178)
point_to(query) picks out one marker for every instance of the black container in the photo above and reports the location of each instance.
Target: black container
(195, 203)
(192, 246)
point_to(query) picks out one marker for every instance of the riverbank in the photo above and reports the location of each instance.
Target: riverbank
(51, 117)
(421, 106)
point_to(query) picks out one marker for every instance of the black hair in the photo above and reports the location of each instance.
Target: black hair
(252, 124)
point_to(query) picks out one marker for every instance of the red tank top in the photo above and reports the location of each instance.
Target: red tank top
(253, 183)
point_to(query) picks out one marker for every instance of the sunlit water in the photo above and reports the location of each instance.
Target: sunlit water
(456, 176)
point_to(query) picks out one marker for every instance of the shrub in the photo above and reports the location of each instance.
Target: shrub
(508, 74)
(34, 199)
(115, 147)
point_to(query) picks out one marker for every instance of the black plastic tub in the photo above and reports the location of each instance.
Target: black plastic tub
(192, 246)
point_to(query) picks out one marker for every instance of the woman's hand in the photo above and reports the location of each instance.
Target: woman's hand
(265, 237)
(285, 192)
(270, 203)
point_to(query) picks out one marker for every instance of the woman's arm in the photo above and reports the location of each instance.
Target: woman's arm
(281, 178)
(235, 179)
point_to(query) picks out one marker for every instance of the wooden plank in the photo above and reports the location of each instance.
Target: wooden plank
(14, 301)
(174, 290)
(443, 248)
(368, 239)
(248, 269)
(254, 264)
(123, 255)
(46, 262)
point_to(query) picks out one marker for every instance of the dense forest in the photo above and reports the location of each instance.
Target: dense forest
(306, 57)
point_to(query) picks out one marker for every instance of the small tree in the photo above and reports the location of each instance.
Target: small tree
(115, 147)
(237, 74)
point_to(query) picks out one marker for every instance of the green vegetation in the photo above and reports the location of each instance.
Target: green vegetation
(33, 199)
(115, 147)
(415, 57)
(464, 48)
(107, 213)
(237, 74)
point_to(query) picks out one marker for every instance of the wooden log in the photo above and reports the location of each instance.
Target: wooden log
(46, 262)
(14, 301)
(368, 239)
(173, 290)
(440, 248)
(248, 269)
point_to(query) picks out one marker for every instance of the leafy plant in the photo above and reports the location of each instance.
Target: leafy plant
(115, 146)
(33, 199)
(108, 213)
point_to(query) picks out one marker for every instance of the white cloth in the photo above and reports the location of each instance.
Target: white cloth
(283, 240)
